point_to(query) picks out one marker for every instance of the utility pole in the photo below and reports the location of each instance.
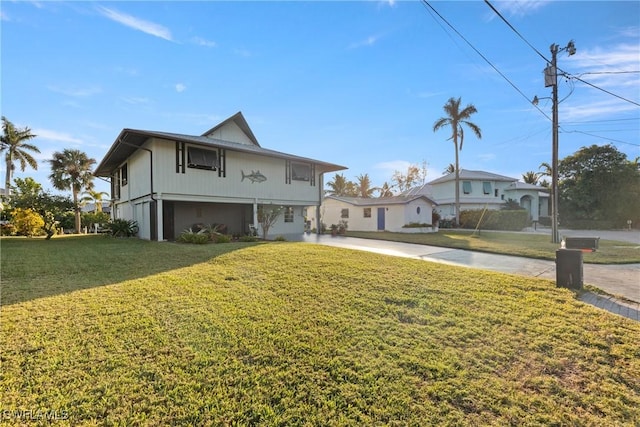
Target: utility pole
(551, 79)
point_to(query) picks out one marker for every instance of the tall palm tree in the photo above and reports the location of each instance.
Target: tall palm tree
(450, 169)
(364, 186)
(455, 118)
(95, 197)
(530, 177)
(340, 186)
(14, 143)
(71, 170)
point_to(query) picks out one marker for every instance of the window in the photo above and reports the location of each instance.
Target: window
(418, 210)
(344, 213)
(466, 187)
(486, 187)
(199, 158)
(123, 175)
(495, 192)
(288, 214)
(300, 171)
(367, 212)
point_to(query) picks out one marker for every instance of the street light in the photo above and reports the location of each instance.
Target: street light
(551, 79)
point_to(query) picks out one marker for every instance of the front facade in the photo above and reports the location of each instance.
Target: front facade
(480, 190)
(377, 214)
(169, 182)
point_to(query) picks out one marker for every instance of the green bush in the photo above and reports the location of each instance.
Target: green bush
(222, 238)
(122, 228)
(280, 239)
(248, 239)
(511, 220)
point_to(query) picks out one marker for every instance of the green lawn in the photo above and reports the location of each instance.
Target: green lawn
(125, 332)
(518, 244)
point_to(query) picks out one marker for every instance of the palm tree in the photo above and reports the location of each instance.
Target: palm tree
(340, 186)
(71, 170)
(450, 169)
(530, 177)
(95, 197)
(14, 142)
(456, 118)
(364, 186)
(385, 190)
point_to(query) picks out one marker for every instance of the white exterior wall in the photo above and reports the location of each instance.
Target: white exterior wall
(204, 185)
(230, 132)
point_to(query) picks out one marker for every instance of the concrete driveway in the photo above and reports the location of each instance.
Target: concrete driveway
(620, 280)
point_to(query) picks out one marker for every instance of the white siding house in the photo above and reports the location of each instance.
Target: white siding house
(479, 190)
(169, 182)
(377, 214)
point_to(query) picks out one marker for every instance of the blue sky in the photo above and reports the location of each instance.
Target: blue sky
(355, 83)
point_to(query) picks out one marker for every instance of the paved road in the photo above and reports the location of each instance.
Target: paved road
(621, 280)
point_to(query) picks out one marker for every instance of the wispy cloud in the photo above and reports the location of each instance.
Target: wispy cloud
(134, 100)
(136, 23)
(520, 8)
(3, 16)
(369, 41)
(76, 92)
(53, 135)
(203, 42)
(180, 87)
(393, 165)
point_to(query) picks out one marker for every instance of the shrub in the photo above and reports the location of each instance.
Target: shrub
(248, 239)
(280, 239)
(122, 228)
(197, 237)
(27, 222)
(511, 220)
(416, 225)
(222, 238)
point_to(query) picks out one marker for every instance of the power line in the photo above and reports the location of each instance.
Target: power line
(604, 90)
(425, 2)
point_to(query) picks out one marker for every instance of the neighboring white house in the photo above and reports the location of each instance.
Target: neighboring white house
(479, 190)
(170, 182)
(377, 214)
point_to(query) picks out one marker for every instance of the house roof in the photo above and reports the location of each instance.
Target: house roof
(472, 175)
(377, 201)
(524, 186)
(240, 121)
(130, 140)
(423, 190)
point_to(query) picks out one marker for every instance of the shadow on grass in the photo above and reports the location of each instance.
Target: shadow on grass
(36, 268)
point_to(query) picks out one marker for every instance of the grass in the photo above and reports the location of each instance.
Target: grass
(519, 244)
(124, 332)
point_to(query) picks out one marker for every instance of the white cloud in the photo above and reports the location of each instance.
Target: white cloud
(369, 41)
(53, 135)
(520, 8)
(393, 165)
(3, 16)
(136, 23)
(203, 42)
(76, 92)
(180, 87)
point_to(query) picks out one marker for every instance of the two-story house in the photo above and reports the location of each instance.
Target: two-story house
(170, 182)
(480, 190)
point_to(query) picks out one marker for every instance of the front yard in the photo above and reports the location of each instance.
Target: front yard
(124, 332)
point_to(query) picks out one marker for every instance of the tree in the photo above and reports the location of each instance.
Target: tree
(340, 186)
(13, 141)
(455, 118)
(95, 197)
(71, 170)
(449, 169)
(530, 177)
(414, 176)
(599, 183)
(51, 208)
(267, 216)
(363, 187)
(385, 190)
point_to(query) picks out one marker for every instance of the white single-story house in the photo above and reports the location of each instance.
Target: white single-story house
(479, 190)
(377, 214)
(169, 182)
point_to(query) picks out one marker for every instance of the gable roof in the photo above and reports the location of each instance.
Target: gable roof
(472, 175)
(131, 140)
(239, 120)
(377, 201)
